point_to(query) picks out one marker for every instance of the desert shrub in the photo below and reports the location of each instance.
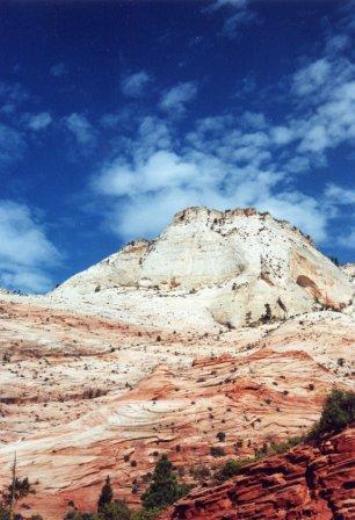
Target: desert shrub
(217, 451)
(164, 489)
(106, 495)
(116, 510)
(231, 468)
(338, 411)
(20, 488)
(221, 436)
(282, 447)
(200, 472)
(145, 514)
(267, 316)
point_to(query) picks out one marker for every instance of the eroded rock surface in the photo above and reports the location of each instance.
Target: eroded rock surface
(308, 482)
(82, 398)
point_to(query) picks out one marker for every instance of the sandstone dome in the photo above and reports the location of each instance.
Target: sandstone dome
(212, 268)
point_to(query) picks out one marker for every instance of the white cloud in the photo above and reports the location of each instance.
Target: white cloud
(162, 169)
(339, 195)
(26, 253)
(220, 169)
(135, 84)
(175, 99)
(58, 69)
(39, 121)
(237, 13)
(254, 119)
(233, 160)
(312, 77)
(81, 128)
(237, 20)
(348, 240)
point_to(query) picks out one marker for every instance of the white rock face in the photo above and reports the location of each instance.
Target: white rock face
(211, 268)
(349, 270)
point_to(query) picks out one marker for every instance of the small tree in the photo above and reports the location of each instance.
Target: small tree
(116, 510)
(106, 495)
(338, 411)
(164, 489)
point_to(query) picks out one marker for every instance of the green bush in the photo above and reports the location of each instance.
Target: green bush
(338, 411)
(231, 468)
(116, 510)
(164, 489)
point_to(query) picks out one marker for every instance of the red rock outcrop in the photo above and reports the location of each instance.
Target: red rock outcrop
(307, 482)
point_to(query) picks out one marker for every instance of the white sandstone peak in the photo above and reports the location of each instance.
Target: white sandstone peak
(210, 268)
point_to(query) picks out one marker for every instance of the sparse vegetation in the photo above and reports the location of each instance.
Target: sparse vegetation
(338, 412)
(221, 436)
(231, 468)
(267, 316)
(217, 451)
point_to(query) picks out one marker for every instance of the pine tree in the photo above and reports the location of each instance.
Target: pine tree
(164, 489)
(106, 495)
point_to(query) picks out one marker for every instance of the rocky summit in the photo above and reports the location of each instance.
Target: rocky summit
(221, 336)
(214, 269)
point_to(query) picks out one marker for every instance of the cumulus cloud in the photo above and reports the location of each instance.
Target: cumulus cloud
(81, 128)
(235, 159)
(175, 99)
(26, 253)
(39, 121)
(220, 165)
(134, 85)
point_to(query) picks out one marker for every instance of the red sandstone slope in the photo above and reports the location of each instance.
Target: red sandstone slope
(307, 482)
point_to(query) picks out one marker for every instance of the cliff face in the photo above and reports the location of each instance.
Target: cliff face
(212, 269)
(308, 482)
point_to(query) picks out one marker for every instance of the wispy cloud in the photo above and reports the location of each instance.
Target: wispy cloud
(347, 240)
(219, 165)
(26, 253)
(58, 70)
(236, 14)
(134, 85)
(39, 121)
(241, 158)
(12, 144)
(81, 128)
(234, 160)
(176, 98)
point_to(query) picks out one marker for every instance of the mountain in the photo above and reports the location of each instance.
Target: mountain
(213, 269)
(227, 323)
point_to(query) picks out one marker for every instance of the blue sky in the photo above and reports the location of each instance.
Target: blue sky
(115, 115)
